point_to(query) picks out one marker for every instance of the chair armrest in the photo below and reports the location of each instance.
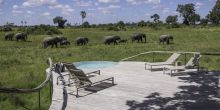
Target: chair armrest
(94, 72)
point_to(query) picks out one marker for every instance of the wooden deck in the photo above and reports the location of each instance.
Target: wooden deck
(140, 89)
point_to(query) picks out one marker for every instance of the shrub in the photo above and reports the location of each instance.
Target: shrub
(113, 28)
(40, 30)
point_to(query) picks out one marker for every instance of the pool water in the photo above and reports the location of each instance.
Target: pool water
(94, 64)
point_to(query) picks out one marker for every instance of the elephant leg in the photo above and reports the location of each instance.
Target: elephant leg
(168, 42)
(115, 42)
(56, 45)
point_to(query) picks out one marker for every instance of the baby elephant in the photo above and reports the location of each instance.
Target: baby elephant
(81, 41)
(9, 36)
(123, 41)
(64, 42)
(165, 38)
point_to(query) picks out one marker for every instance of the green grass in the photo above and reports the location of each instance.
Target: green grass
(23, 64)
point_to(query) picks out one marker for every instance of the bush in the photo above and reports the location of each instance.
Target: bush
(113, 28)
(6, 28)
(40, 30)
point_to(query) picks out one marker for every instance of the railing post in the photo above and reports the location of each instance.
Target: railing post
(39, 100)
(153, 56)
(50, 89)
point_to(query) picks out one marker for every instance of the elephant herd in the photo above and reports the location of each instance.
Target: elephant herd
(79, 41)
(54, 41)
(19, 36)
(136, 37)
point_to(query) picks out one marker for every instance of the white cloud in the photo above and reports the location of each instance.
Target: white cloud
(29, 12)
(166, 10)
(15, 7)
(65, 9)
(17, 12)
(32, 3)
(91, 14)
(91, 9)
(46, 14)
(137, 2)
(96, 4)
(2, 1)
(199, 5)
(114, 6)
(108, 9)
(108, 1)
(83, 3)
(147, 14)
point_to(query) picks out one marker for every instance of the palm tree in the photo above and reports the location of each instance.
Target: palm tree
(83, 15)
(25, 22)
(22, 22)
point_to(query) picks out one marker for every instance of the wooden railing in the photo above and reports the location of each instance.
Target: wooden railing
(36, 89)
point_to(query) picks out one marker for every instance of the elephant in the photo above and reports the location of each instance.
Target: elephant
(165, 38)
(51, 41)
(138, 37)
(123, 41)
(9, 36)
(81, 41)
(64, 42)
(62, 38)
(111, 39)
(21, 36)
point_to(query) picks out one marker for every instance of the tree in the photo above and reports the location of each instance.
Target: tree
(141, 23)
(194, 18)
(86, 25)
(121, 25)
(83, 15)
(186, 11)
(155, 17)
(22, 22)
(204, 21)
(25, 22)
(172, 19)
(60, 21)
(214, 14)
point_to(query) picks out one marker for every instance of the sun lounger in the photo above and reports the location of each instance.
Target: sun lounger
(169, 61)
(192, 65)
(81, 80)
(63, 70)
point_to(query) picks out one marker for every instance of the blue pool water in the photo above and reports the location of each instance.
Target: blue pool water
(94, 64)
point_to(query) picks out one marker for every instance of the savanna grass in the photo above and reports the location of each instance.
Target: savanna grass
(23, 64)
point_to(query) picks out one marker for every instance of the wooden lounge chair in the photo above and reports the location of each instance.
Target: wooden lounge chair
(82, 80)
(169, 61)
(63, 70)
(192, 64)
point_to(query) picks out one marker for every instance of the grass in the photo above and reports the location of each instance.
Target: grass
(23, 64)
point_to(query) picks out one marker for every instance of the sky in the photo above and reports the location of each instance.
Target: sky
(98, 11)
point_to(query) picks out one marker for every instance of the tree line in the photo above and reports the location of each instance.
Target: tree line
(186, 11)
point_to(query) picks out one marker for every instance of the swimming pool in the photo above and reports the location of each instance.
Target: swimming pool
(94, 64)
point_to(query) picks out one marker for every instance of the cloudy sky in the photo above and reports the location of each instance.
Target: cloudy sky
(98, 11)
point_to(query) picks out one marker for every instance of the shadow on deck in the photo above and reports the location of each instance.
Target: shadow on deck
(203, 96)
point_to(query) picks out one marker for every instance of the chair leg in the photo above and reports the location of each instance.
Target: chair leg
(164, 70)
(151, 68)
(113, 81)
(77, 92)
